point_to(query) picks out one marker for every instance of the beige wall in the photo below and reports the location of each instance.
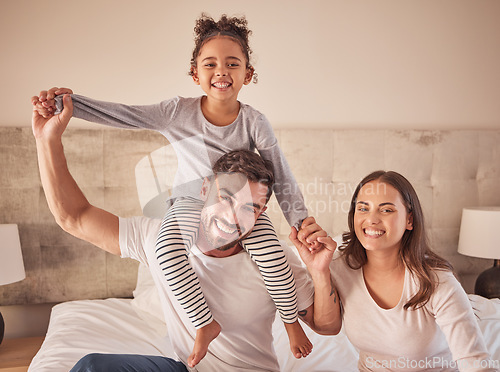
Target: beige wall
(409, 64)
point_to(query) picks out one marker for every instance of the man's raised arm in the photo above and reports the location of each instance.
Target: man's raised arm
(70, 207)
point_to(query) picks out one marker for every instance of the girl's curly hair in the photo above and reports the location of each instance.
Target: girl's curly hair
(207, 28)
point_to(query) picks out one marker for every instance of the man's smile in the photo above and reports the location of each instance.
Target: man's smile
(224, 227)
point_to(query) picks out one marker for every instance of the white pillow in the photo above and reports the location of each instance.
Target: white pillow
(146, 301)
(144, 280)
(488, 315)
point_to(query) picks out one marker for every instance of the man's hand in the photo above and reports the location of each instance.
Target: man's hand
(52, 126)
(316, 260)
(45, 104)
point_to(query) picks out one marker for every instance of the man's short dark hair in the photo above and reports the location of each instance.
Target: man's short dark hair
(248, 163)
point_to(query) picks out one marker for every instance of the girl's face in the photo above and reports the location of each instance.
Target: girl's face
(221, 69)
(380, 218)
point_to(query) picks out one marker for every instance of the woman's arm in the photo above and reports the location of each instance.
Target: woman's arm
(324, 317)
(455, 316)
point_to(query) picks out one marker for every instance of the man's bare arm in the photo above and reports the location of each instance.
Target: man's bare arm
(66, 201)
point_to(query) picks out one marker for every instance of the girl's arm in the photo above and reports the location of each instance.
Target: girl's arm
(154, 117)
(286, 189)
(454, 315)
(115, 114)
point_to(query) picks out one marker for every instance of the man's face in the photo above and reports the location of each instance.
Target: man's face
(232, 205)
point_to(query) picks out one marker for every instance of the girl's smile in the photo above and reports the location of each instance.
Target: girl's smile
(221, 84)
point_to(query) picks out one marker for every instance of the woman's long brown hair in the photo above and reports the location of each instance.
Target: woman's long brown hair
(415, 251)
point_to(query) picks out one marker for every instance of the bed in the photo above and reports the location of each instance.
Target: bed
(135, 326)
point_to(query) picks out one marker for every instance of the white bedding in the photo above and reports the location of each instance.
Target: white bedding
(134, 326)
(107, 326)
(113, 326)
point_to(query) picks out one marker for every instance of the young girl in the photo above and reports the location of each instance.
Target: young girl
(402, 307)
(201, 129)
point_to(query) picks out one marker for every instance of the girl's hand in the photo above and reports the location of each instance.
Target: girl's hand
(45, 103)
(52, 126)
(315, 259)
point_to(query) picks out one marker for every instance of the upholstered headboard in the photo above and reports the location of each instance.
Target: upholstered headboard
(449, 169)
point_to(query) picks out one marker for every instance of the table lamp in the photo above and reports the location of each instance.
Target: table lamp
(479, 238)
(11, 261)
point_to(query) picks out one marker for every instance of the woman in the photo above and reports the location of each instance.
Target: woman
(401, 307)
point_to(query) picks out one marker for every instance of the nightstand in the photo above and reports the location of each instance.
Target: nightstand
(16, 353)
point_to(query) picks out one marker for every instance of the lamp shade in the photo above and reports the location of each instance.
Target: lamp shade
(11, 258)
(479, 232)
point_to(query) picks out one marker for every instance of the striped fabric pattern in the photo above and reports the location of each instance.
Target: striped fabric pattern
(178, 232)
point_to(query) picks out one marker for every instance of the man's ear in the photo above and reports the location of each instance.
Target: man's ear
(205, 188)
(262, 211)
(194, 75)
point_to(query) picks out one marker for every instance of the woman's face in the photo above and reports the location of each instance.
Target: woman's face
(380, 217)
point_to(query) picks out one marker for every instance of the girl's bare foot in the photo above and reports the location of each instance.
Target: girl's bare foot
(299, 343)
(204, 337)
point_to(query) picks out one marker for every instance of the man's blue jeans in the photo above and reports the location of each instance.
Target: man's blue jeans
(127, 363)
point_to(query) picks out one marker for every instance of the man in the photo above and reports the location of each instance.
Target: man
(234, 289)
